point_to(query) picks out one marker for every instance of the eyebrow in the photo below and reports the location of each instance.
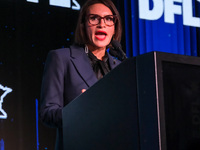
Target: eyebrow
(101, 16)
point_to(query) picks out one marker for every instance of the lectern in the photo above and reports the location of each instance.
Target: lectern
(149, 102)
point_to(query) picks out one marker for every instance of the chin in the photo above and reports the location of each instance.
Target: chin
(101, 44)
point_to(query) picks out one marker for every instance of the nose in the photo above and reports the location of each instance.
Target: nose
(102, 22)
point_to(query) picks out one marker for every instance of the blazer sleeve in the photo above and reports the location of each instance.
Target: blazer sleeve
(52, 90)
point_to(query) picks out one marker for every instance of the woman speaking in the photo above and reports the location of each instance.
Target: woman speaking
(70, 71)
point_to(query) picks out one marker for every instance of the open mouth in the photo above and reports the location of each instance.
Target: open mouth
(101, 35)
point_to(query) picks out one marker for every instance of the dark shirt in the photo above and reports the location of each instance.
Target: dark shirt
(100, 67)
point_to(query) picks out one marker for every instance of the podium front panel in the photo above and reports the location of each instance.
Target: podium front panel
(105, 116)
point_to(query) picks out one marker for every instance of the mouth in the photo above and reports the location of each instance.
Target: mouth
(100, 35)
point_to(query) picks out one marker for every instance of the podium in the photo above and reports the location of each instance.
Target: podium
(149, 102)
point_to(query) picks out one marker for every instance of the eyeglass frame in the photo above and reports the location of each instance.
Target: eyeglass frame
(100, 18)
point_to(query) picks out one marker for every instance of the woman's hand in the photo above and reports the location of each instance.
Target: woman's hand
(83, 90)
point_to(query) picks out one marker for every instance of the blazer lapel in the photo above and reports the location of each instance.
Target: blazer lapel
(82, 64)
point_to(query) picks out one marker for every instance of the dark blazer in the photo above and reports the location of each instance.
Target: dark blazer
(67, 71)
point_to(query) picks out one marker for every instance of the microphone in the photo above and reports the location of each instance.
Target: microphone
(117, 51)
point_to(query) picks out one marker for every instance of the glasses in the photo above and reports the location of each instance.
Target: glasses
(109, 20)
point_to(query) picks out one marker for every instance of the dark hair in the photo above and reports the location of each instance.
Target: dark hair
(80, 33)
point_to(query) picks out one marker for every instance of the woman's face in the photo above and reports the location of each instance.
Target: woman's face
(99, 35)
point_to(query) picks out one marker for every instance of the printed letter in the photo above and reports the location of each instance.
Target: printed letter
(61, 3)
(33, 1)
(171, 9)
(77, 6)
(188, 18)
(146, 13)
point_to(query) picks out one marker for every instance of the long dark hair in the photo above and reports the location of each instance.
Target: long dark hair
(80, 33)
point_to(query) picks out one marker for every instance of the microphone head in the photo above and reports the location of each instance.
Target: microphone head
(116, 44)
(113, 52)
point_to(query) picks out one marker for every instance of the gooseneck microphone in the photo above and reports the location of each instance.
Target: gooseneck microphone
(117, 51)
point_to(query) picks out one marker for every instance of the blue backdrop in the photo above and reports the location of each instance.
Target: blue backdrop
(143, 35)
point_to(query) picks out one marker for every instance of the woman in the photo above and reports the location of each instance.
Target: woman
(70, 71)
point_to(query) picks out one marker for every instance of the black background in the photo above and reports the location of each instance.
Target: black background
(28, 31)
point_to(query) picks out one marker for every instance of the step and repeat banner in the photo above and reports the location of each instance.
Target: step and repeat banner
(29, 29)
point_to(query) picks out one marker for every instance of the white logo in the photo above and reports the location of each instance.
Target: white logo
(61, 3)
(3, 114)
(170, 8)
